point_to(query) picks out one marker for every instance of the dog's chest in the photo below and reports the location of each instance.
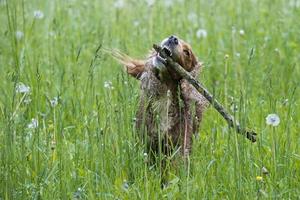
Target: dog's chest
(163, 108)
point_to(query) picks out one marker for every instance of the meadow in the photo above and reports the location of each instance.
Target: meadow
(67, 109)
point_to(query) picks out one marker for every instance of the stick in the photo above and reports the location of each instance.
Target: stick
(171, 65)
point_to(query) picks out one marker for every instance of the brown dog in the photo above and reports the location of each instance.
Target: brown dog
(170, 109)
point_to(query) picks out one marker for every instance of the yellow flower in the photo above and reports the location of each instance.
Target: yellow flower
(259, 178)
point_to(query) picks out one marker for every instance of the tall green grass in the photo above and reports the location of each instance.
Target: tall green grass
(85, 147)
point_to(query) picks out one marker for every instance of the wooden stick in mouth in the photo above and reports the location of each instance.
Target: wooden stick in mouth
(171, 65)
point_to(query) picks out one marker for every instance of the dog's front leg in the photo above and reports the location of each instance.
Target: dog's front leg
(187, 117)
(188, 128)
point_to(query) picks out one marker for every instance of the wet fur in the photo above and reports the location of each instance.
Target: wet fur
(170, 111)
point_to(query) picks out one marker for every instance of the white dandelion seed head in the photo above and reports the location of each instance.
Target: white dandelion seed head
(54, 102)
(150, 2)
(22, 88)
(33, 124)
(264, 170)
(238, 54)
(201, 33)
(108, 85)
(38, 14)
(19, 35)
(272, 119)
(145, 154)
(276, 50)
(242, 32)
(119, 4)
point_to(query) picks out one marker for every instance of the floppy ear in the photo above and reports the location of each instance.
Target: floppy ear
(134, 67)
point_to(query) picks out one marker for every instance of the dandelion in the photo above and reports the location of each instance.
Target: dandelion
(226, 56)
(276, 50)
(119, 4)
(19, 35)
(238, 54)
(264, 171)
(259, 178)
(38, 14)
(242, 32)
(108, 85)
(272, 119)
(21, 88)
(33, 124)
(201, 33)
(150, 2)
(54, 102)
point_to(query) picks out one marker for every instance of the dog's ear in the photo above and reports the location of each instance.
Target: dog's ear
(134, 67)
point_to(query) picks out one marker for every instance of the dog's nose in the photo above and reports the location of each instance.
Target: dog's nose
(173, 39)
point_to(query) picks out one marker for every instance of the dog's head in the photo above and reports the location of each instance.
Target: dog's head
(180, 51)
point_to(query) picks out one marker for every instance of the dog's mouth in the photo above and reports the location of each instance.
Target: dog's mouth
(167, 50)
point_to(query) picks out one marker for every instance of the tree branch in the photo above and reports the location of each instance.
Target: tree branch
(171, 65)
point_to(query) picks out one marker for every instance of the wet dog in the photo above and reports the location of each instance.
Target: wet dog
(170, 109)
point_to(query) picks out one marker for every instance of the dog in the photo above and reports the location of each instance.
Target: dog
(170, 109)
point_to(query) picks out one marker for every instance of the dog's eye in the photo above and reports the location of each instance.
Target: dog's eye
(186, 52)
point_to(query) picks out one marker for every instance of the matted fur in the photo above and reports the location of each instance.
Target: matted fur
(170, 110)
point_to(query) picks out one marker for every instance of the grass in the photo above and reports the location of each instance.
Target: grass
(85, 147)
